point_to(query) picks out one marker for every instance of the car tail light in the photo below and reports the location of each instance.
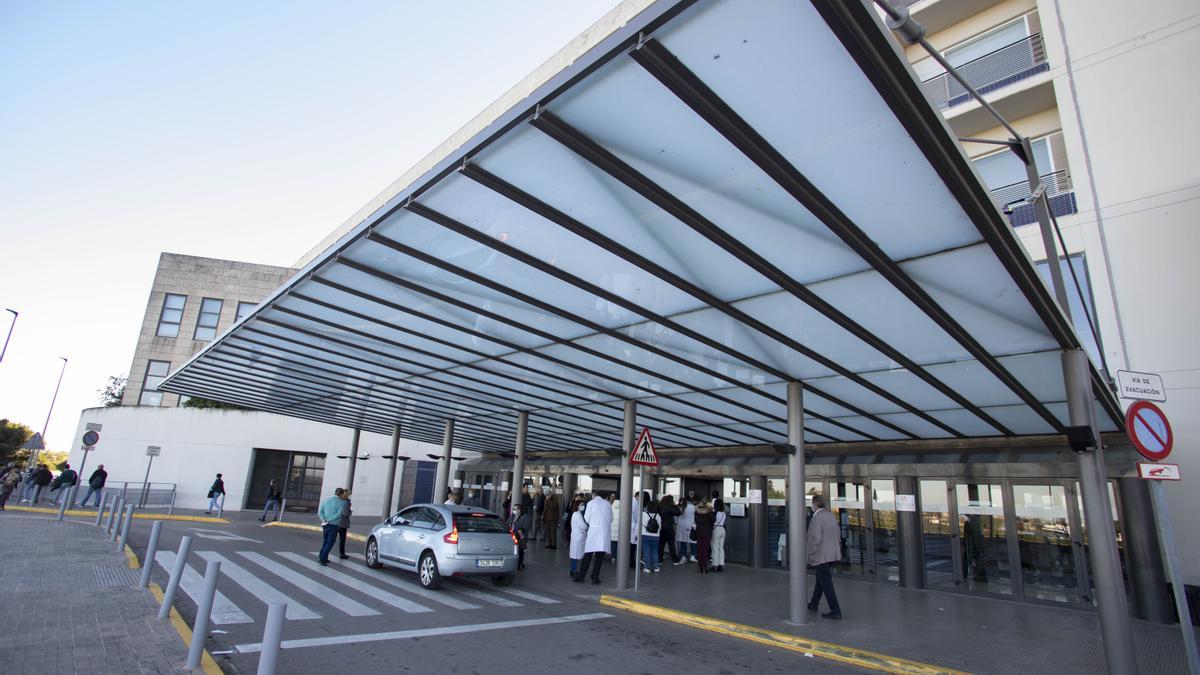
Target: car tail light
(514, 536)
(452, 538)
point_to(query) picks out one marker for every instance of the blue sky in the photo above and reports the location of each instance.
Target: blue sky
(224, 129)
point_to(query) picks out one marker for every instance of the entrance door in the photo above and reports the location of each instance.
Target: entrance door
(965, 526)
(1049, 568)
(848, 502)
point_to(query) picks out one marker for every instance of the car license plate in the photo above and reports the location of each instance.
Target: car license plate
(489, 563)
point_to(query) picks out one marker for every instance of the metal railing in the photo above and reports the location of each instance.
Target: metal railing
(142, 495)
(1013, 199)
(1021, 59)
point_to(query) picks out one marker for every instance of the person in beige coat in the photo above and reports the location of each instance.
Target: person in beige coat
(824, 549)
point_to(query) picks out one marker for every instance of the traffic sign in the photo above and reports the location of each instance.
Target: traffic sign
(1149, 430)
(1141, 386)
(153, 450)
(91, 437)
(1158, 471)
(643, 450)
(93, 426)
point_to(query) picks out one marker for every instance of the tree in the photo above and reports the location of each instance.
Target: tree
(12, 436)
(197, 402)
(112, 392)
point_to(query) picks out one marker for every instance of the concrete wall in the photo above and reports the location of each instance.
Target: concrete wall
(199, 443)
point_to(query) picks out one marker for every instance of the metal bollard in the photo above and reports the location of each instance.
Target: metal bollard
(101, 509)
(268, 656)
(221, 505)
(282, 510)
(62, 508)
(185, 547)
(115, 513)
(171, 509)
(200, 627)
(115, 524)
(126, 526)
(151, 550)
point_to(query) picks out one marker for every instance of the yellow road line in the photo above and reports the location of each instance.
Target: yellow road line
(315, 528)
(207, 664)
(140, 516)
(825, 650)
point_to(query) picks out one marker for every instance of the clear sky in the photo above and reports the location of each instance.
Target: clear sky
(240, 130)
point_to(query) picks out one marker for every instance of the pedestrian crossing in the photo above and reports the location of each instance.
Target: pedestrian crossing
(313, 591)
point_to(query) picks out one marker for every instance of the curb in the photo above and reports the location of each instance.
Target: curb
(314, 528)
(807, 646)
(139, 516)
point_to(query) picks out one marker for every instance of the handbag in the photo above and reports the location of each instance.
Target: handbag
(692, 533)
(210, 494)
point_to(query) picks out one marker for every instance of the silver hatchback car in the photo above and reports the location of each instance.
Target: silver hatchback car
(445, 540)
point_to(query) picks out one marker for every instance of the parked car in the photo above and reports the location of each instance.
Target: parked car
(445, 540)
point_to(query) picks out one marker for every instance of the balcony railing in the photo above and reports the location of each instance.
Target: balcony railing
(1011, 63)
(1013, 199)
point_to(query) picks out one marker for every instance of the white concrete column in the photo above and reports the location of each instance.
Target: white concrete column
(797, 532)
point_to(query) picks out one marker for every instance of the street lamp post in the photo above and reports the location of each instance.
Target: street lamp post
(52, 400)
(10, 330)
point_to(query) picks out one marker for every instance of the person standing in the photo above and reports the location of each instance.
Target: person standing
(95, 485)
(577, 530)
(9, 483)
(667, 513)
(539, 507)
(824, 549)
(704, 533)
(41, 478)
(718, 535)
(551, 512)
(651, 530)
(614, 533)
(330, 514)
(595, 548)
(273, 499)
(683, 532)
(67, 479)
(27, 484)
(344, 525)
(216, 494)
(519, 524)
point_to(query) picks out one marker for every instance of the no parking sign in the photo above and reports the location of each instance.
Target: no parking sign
(1149, 430)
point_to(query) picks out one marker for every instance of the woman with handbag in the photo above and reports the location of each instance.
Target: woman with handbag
(683, 532)
(705, 518)
(718, 537)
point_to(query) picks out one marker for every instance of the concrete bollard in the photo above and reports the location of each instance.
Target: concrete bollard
(268, 656)
(116, 522)
(200, 627)
(126, 526)
(62, 507)
(114, 514)
(185, 547)
(282, 510)
(151, 550)
(101, 509)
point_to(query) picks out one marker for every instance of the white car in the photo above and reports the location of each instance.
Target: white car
(445, 540)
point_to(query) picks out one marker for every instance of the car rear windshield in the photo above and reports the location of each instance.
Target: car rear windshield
(470, 522)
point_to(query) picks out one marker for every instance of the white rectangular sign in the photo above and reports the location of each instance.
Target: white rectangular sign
(153, 451)
(755, 496)
(87, 448)
(1141, 386)
(906, 502)
(93, 426)
(1151, 471)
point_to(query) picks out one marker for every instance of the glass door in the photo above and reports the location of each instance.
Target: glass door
(1044, 537)
(848, 503)
(939, 535)
(886, 562)
(983, 538)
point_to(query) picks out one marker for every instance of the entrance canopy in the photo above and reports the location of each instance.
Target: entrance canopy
(715, 199)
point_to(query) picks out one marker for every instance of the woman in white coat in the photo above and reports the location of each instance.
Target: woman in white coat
(595, 546)
(579, 530)
(683, 533)
(614, 530)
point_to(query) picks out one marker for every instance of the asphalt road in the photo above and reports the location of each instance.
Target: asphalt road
(349, 618)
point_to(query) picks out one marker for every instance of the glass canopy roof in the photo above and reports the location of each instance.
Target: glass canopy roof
(716, 199)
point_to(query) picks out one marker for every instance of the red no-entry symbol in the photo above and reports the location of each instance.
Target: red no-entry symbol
(1149, 430)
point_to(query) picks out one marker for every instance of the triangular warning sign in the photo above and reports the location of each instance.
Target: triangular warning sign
(643, 450)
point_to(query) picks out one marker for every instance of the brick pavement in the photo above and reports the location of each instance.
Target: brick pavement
(68, 605)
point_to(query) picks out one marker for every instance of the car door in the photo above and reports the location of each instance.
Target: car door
(420, 534)
(398, 540)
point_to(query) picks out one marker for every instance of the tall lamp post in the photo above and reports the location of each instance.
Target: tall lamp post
(10, 330)
(52, 400)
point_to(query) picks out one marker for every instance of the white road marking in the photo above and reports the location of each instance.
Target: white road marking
(316, 588)
(486, 597)
(259, 588)
(522, 594)
(422, 632)
(386, 576)
(221, 535)
(343, 578)
(192, 583)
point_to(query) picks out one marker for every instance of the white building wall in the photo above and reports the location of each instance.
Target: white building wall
(199, 443)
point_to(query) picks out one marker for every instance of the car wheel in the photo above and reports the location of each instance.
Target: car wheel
(504, 579)
(373, 554)
(427, 571)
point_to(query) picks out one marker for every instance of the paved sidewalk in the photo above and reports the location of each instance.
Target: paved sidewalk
(68, 605)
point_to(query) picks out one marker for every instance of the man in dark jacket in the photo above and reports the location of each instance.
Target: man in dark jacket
(96, 486)
(41, 478)
(216, 494)
(67, 479)
(273, 499)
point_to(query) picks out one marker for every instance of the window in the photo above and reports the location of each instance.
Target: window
(988, 42)
(171, 315)
(210, 314)
(155, 372)
(244, 309)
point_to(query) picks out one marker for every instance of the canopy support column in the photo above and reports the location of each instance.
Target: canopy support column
(1151, 601)
(518, 479)
(1093, 482)
(391, 474)
(353, 459)
(568, 490)
(797, 534)
(623, 527)
(443, 470)
(759, 554)
(908, 536)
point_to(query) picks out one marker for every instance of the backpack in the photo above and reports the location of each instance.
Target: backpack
(652, 524)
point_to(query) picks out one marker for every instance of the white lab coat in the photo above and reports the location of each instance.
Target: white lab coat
(579, 530)
(684, 523)
(614, 530)
(598, 515)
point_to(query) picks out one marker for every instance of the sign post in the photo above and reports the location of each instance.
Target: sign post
(643, 455)
(152, 451)
(90, 438)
